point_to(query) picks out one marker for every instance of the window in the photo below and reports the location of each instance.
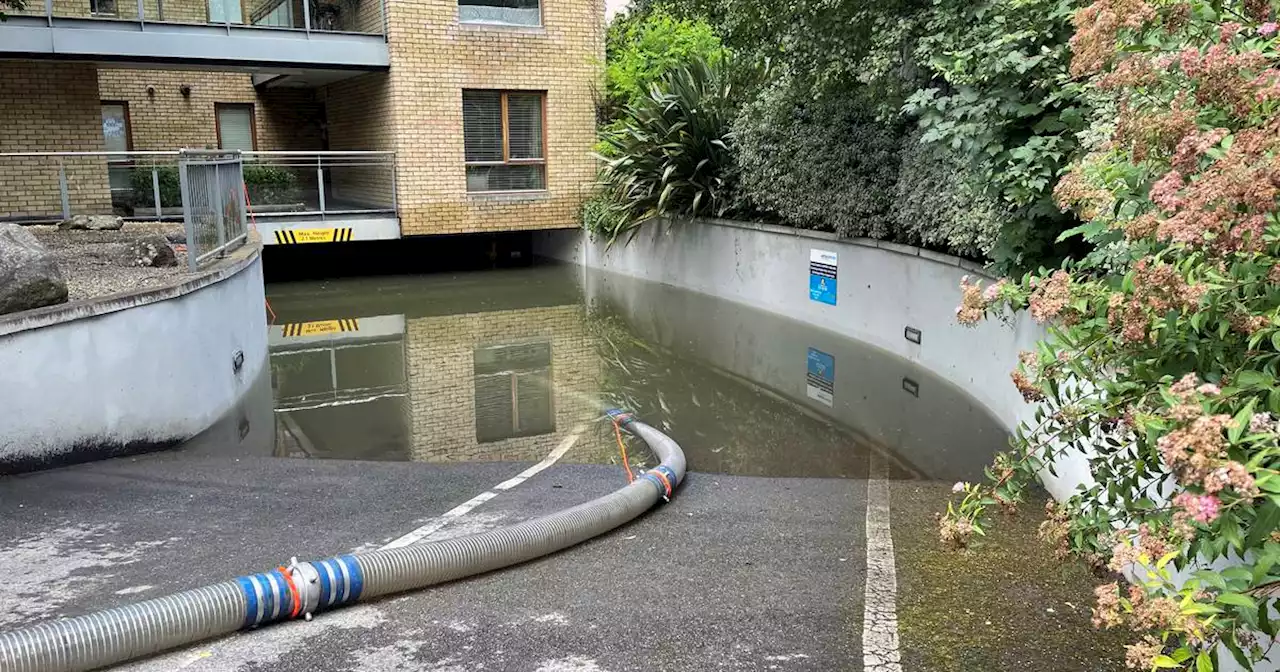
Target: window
(117, 136)
(504, 135)
(235, 126)
(278, 16)
(225, 11)
(500, 12)
(102, 7)
(513, 391)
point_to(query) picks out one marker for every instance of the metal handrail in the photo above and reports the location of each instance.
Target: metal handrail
(325, 152)
(28, 155)
(176, 152)
(142, 20)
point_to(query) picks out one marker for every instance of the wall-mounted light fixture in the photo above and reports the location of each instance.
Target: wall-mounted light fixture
(185, 90)
(912, 334)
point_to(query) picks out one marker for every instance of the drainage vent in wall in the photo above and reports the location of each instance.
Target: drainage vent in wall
(912, 334)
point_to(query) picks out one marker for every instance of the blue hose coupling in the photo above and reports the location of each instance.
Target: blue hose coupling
(664, 479)
(300, 590)
(620, 416)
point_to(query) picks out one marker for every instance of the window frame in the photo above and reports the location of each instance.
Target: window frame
(541, 24)
(128, 122)
(113, 14)
(506, 142)
(253, 121)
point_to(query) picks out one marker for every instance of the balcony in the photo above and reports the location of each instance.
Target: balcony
(250, 35)
(290, 197)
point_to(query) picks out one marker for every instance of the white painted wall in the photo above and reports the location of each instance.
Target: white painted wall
(85, 383)
(882, 289)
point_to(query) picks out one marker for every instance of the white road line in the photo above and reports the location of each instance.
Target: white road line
(880, 604)
(432, 526)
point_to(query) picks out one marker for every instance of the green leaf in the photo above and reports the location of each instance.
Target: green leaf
(1238, 600)
(1203, 663)
(1163, 662)
(1267, 521)
(1241, 421)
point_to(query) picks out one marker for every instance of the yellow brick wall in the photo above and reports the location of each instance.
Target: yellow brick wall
(47, 107)
(440, 353)
(285, 118)
(433, 58)
(358, 111)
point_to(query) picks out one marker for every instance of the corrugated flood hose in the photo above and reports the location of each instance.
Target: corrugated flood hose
(303, 588)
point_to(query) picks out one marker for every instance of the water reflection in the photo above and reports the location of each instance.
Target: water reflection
(507, 365)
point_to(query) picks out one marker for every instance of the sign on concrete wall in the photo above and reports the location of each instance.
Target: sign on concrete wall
(820, 378)
(822, 276)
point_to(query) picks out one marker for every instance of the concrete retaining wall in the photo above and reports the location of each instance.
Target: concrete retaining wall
(882, 289)
(130, 372)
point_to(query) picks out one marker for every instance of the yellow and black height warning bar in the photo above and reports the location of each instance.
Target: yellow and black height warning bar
(341, 234)
(321, 327)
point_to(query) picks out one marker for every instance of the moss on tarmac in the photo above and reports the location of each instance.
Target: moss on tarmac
(1004, 606)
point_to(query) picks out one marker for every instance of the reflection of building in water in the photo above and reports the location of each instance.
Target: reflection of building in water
(502, 385)
(340, 388)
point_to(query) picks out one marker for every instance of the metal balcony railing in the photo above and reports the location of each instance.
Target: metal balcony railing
(367, 17)
(320, 184)
(46, 187)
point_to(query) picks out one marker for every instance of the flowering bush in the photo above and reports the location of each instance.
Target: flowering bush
(1164, 346)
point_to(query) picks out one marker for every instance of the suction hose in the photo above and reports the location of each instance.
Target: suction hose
(303, 588)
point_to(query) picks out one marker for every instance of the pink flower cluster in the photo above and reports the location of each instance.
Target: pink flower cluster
(1097, 27)
(974, 300)
(1051, 296)
(1157, 289)
(1200, 508)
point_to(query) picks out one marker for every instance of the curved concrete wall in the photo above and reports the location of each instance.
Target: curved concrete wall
(132, 372)
(882, 289)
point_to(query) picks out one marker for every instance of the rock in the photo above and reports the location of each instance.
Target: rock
(92, 223)
(153, 250)
(176, 237)
(29, 275)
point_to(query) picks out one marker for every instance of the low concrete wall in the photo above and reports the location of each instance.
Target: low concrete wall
(882, 289)
(130, 372)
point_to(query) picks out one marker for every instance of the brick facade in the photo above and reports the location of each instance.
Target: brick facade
(414, 109)
(47, 107)
(284, 118)
(433, 58)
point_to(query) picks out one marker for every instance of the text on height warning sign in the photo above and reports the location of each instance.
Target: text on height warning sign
(822, 276)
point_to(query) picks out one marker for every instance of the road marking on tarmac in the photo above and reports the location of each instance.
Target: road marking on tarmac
(880, 605)
(432, 526)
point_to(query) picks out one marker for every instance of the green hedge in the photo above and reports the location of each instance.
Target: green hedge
(267, 185)
(824, 164)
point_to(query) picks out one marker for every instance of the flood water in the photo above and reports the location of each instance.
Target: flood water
(508, 365)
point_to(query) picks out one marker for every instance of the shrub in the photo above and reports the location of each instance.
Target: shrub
(1002, 95)
(669, 154)
(1163, 364)
(824, 164)
(939, 205)
(269, 185)
(144, 189)
(642, 47)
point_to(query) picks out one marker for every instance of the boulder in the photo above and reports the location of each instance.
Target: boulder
(153, 250)
(29, 275)
(92, 223)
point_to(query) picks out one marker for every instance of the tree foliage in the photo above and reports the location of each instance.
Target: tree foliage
(641, 48)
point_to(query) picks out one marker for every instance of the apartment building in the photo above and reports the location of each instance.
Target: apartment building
(357, 119)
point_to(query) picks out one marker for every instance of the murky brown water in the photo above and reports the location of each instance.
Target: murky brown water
(507, 365)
